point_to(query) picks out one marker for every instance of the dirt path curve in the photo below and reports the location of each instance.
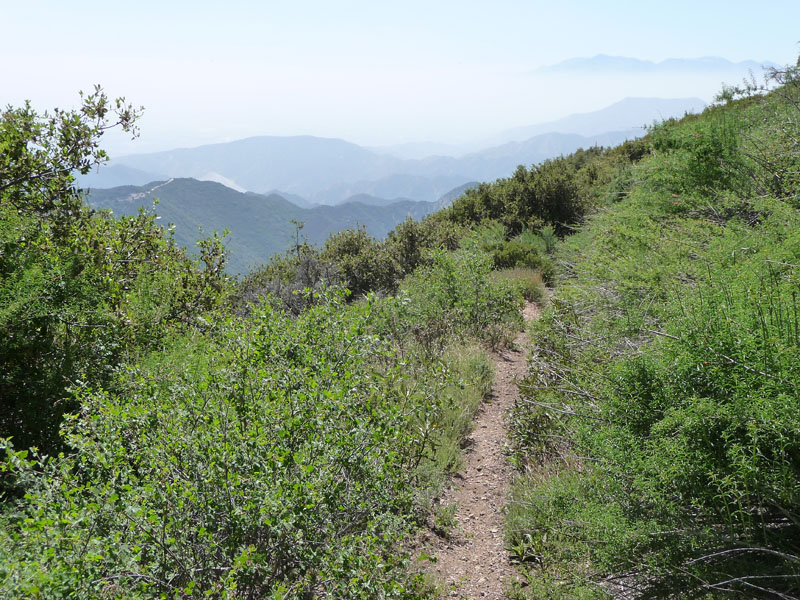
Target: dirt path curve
(473, 563)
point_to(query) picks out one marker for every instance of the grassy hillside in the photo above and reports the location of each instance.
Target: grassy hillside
(658, 435)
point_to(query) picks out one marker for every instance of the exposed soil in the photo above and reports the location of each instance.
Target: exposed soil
(473, 562)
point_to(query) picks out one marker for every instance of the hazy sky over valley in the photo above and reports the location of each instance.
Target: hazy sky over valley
(367, 71)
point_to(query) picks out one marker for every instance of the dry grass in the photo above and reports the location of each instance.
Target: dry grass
(529, 280)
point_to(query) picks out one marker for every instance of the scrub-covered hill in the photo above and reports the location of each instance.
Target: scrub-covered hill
(657, 433)
(258, 225)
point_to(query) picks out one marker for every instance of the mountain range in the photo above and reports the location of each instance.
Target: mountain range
(259, 225)
(630, 115)
(332, 171)
(331, 184)
(311, 170)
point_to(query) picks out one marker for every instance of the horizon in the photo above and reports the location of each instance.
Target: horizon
(452, 73)
(478, 144)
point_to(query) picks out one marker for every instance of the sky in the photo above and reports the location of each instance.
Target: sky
(372, 72)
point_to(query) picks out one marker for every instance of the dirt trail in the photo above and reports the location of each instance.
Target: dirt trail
(473, 563)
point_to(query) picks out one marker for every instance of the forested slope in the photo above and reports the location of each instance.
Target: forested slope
(258, 225)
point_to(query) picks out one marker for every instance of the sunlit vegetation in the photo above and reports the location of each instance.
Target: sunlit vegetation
(169, 432)
(658, 428)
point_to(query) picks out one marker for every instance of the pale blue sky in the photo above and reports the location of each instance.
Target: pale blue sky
(372, 72)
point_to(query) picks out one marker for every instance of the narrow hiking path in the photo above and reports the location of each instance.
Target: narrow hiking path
(473, 562)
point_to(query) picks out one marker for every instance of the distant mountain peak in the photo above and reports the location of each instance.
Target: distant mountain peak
(629, 115)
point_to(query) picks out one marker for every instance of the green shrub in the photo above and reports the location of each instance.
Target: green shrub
(525, 250)
(554, 192)
(293, 280)
(363, 262)
(456, 297)
(282, 457)
(80, 291)
(409, 243)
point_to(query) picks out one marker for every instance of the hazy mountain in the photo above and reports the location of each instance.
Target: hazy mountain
(429, 178)
(373, 200)
(447, 199)
(259, 225)
(714, 64)
(212, 176)
(309, 170)
(420, 186)
(624, 64)
(500, 161)
(362, 172)
(321, 221)
(114, 175)
(299, 165)
(417, 150)
(629, 114)
(293, 198)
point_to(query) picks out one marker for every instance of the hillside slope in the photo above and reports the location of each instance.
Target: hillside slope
(658, 427)
(259, 225)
